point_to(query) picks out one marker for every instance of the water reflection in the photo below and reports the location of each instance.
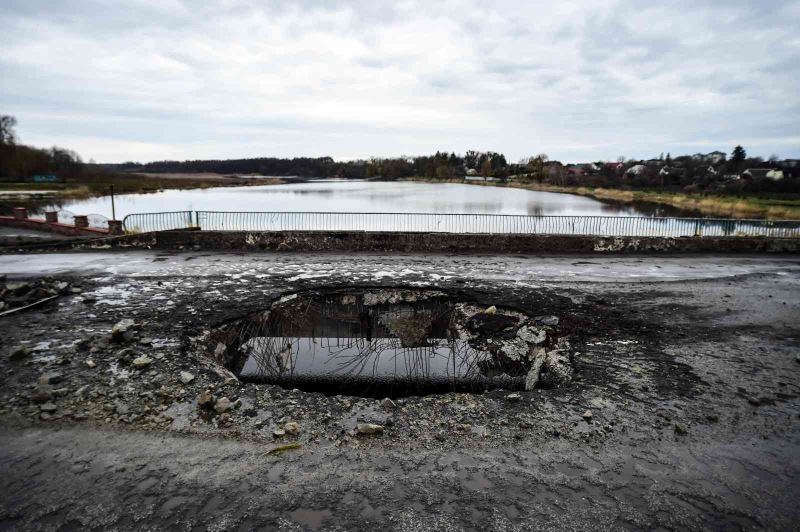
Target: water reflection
(343, 344)
(349, 196)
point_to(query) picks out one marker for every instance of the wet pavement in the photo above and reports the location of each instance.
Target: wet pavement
(400, 267)
(689, 367)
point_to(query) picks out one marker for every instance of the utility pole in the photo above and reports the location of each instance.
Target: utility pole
(113, 210)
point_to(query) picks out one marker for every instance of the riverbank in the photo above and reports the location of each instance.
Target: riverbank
(707, 204)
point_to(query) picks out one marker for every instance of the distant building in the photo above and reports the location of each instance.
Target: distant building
(775, 173)
(715, 157)
(637, 169)
(755, 173)
(472, 172)
(44, 178)
(615, 167)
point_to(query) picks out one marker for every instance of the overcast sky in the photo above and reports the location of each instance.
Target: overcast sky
(164, 79)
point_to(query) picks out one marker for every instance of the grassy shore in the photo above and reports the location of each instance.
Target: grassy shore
(99, 185)
(710, 204)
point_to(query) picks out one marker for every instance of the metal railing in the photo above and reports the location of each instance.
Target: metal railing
(494, 224)
(157, 221)
(461, 223)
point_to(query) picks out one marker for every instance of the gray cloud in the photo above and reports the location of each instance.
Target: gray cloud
(153, 79)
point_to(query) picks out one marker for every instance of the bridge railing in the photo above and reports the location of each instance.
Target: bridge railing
(157, 221)
(461, 223)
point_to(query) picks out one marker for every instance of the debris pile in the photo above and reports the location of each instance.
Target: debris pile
(21, 294)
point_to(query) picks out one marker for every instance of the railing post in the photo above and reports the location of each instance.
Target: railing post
(20, 213)
(51, 217)
(115, 227)
(81, 221)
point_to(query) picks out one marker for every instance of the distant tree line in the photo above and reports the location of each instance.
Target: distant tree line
(715, 172)
(19, 162)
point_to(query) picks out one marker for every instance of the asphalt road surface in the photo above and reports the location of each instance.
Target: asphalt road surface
(690, 366)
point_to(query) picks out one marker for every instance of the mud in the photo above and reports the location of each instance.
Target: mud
(692, 386)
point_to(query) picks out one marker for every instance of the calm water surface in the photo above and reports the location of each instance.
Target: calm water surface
(361, 196)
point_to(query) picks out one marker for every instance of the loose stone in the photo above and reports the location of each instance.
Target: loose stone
(41, 394)
(51, 378)
(48, 407)
(120, 328)
(587, 415)
(18, 353)
(369, 428)
(388, 404)
(205, 400)
(223, 404)
(142, 362)
(291, 428)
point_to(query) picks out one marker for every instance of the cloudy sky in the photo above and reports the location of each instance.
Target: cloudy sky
(165, 79)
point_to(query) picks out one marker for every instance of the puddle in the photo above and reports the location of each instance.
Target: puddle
(382, 343)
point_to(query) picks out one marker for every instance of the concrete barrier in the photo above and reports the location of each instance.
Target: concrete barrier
(346, 241)
(360, 242)
(49, 226)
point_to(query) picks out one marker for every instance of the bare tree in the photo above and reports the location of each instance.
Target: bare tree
(7, 125)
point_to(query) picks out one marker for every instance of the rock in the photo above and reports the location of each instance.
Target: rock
(369, 428)
(186, 377)
(223, 404)
(587, 415)
(532, 335)
(557, 370)
(19, 352)
(516, 350)
(278, 433)
(491, 311)
(205, 400)
(120, 328)
(19, 289)
(680, 429)
(142, 362)
(224, 420)
(48, 407)
(291, 428)
(513, 397)
(550, 321)
(388, 404)
(41, 394)
(121, 409)
(91, 364)
(126, 356)
(537, 361)
(51, 378)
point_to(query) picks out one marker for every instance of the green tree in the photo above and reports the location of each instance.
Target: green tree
(739, 155)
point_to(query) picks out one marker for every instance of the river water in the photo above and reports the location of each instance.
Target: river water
(362, 196)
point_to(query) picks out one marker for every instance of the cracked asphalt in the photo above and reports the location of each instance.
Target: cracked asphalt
(689, 365)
